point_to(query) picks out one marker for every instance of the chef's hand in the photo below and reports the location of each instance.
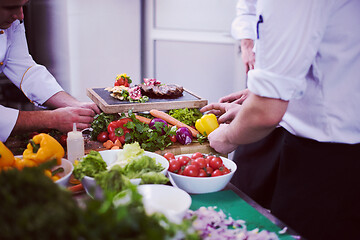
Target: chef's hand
(89, 105)
(224, 111)
(236, 97)
(247, 53)
(219, 142)
(65, 117)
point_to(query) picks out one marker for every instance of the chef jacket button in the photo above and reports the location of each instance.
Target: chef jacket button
(2, 32)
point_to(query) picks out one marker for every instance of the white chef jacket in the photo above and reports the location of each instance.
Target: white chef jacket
(33, 79)
(243, 26)
(314, 63)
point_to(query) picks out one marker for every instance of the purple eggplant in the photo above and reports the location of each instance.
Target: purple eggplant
(184, 136)
(156, 120)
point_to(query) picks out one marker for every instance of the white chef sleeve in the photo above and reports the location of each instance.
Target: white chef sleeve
(7, 121)
(283, 57)
(34, 80)
(243, 26)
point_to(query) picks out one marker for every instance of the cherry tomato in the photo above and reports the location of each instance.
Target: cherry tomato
(63, 140)
(183, 160)
(202, 173)
(216, 162)
(209, 171)
(216, 173)
(225, 170)
(192, 162)
(169, 156)
(103, 137)
(196, 155)
(201, 161)
(172, 138)
(174, 165)
(208, 158)
(191, 171)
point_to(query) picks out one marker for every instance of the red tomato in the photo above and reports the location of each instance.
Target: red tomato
(196, 155)
(201, 161)
(202, 173)
(174, 165)
(183, 160)
(208, 158)
(172, 138)
(103, 137)
(216, 173)
(216, 162)
(192, 162)
(209, 171)
(191, 171)
(169, 156)
(225, 170)
(63, 140)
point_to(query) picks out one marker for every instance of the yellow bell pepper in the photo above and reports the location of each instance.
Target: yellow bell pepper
(206, 124)
(6, 156)
(42, 148)
(20, 163)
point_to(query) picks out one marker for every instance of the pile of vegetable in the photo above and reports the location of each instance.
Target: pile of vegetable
(214, 225)
(197, 165)
(40, 149)
(33, 207)
(132, 163)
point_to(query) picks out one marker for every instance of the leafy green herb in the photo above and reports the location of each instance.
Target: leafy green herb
(149, 139)
(34, 207)
(186, 115)
(201, 138)
(100, 123)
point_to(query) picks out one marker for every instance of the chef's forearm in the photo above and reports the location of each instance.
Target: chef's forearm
(256, 119)
(34, 121)
(61, 99)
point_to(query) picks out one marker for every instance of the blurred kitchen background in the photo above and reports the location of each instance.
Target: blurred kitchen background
(86, 43)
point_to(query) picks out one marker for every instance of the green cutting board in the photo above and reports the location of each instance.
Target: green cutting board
(232, 205)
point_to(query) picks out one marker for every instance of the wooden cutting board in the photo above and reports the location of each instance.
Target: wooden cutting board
(176, 148)
(108, 104)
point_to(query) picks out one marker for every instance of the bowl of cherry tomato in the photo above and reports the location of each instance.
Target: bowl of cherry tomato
(200, 173)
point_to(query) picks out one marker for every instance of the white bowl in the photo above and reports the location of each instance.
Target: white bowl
(65, 176)
(197, 185)
(110, 156)
(172, 202)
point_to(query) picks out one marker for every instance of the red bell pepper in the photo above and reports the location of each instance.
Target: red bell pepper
(117, 130)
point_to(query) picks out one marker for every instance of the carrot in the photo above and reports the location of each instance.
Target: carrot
(76, 188)
(108, 144)
(117, 143)
(143, 119)
(172, 120)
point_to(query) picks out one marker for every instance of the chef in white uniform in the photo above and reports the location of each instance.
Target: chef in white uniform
(307, 79)
(257, 162)
(35, 81)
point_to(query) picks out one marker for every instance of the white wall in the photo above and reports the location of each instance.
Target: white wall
(104, 40)
(86, 43)
(188, 43)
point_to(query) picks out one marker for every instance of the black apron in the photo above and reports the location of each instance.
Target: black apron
(318, 188)
(257, 167)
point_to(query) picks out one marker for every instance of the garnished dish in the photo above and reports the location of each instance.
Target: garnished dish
(122, 90)
(151, 88)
